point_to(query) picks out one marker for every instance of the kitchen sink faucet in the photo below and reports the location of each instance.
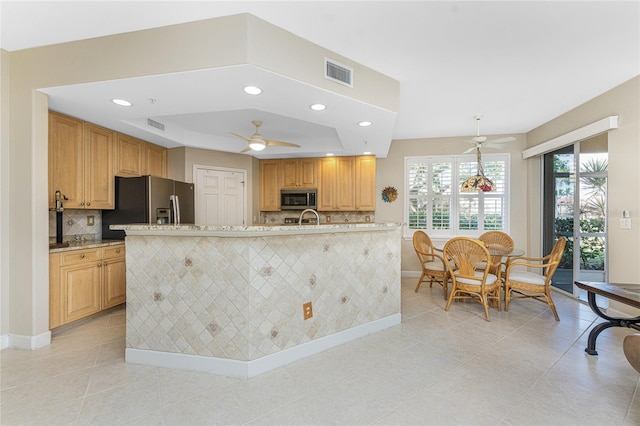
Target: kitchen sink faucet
(309, 210)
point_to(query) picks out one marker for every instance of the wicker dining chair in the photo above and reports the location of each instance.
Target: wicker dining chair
(525, 284)
(497, 240)
(469, 282)
(432, 263)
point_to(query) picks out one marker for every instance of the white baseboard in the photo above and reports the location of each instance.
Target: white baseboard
(246, 369)
(25, 342)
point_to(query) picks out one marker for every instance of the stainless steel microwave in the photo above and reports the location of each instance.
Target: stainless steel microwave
(298, 199)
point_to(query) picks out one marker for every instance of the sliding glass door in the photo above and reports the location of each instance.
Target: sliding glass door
(575, 206)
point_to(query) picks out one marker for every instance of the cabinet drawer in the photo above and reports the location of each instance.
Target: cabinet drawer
(80, 256)
(114, 252)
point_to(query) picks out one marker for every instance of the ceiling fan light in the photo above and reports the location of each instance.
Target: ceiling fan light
(257, 146)
(318, 107)
(365, 123)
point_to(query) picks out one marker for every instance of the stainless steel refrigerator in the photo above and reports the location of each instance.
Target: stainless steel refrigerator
(148, 199)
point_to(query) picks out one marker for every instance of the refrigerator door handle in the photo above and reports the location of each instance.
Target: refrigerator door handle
(175, 201)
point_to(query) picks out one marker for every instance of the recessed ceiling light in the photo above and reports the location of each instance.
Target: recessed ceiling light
(317, 107)
(365, 123)
(253, 90)
(122, 102)
(367, 153)
(329, 154)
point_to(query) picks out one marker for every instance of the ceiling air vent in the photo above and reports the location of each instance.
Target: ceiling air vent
(156, 124)
(338, 72)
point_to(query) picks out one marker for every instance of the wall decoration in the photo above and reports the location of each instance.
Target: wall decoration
(389, 194)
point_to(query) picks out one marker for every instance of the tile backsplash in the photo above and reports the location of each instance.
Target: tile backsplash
(277, 218)
(75, 227)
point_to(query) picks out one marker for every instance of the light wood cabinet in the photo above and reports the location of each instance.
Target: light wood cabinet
(365, 183)
(299, 173)
(129, 155)
(114, 277)
(81, 159)
(135, 157)
(336, 184)
(154, 160)
(99, 148)
(270, 184)
(84, 282)
(66, 160)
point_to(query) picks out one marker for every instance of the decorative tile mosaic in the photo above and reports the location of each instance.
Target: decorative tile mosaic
(241, 298)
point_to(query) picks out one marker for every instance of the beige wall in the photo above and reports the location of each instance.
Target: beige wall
(390, 172)
(197, 45)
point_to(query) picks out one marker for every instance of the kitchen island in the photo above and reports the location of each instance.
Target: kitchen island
(229, 300)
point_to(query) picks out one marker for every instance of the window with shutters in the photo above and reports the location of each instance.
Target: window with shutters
(436, 205)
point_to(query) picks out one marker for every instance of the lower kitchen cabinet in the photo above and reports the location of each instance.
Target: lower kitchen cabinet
(84, 282)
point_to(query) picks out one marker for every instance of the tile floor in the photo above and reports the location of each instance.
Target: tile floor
(437, 367)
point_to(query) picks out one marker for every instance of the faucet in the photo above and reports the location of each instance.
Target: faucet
(309, 210)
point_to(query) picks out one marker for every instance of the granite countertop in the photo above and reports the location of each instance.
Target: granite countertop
(251, 231)
(79, 245)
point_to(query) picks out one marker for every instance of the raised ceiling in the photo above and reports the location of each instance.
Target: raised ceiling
(518, 63)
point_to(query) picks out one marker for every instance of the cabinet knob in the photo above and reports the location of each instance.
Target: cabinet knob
(89, 203)
(82, 203)
(117, 250)
(99, 264)
(82, 256)
(104, 264)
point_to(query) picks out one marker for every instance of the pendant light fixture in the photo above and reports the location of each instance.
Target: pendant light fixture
(479, 182)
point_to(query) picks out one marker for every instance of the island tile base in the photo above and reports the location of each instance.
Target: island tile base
(231, 302)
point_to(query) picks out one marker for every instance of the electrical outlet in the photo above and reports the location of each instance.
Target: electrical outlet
(625, 223)
(328, 219)
(307, 310)
(90, 221)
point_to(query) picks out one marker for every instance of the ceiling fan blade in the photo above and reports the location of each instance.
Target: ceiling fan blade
(501, 140)
(280, 143)
(240, 136)
(492, 145)
(470, 150)
(247, 149)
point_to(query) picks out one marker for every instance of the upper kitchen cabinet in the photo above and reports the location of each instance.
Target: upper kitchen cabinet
(135, 157)
(66, 160)
(365, 183)
(80, 163)
(270, 184)
(129, 155)
(299, 173)
(336, 184)
(154, 161)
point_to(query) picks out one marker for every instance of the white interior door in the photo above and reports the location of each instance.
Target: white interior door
(220, 196)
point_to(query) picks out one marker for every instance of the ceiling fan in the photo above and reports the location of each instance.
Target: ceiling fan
(482, 141)
(257, 142)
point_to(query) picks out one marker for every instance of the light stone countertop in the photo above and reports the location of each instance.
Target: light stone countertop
(250, 231)
(87, 244)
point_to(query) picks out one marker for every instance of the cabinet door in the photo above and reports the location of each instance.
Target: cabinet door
(270, 184)
(155, 160)
(345, 184)
(99, 167)
(128, 155)
(289, 173)
(66, 160)
(307, 172)
(326, 184)
(114, 288)
(80, 285)
(366, 183)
